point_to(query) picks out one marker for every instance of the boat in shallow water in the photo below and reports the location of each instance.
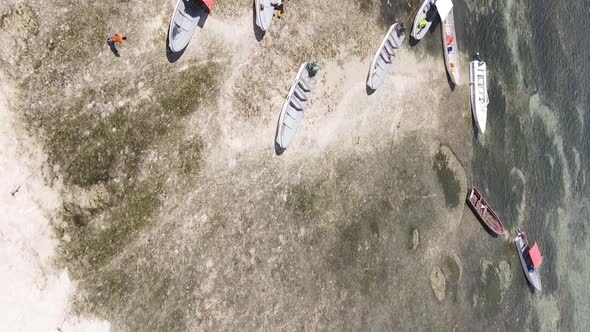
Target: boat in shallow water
(382, 59)
(449, 41)
(530, 259)
(484, 212)
(188, 15)
(479, 92)
(295, 104)
(264, 13)
(423, 19)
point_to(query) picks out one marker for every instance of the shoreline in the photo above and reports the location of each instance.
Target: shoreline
(36, 295)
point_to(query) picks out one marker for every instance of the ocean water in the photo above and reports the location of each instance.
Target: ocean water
(533, 161)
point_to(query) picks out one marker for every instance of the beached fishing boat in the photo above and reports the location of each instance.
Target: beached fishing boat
(484, 212)
(530, 259)
(479, 92)
(449, 41)
(188, 15)
(423, 19)
(264, 13)
(382, 59)
(297, 100)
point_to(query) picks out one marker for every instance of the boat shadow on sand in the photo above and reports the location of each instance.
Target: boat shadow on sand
(476, 131)
(258, 32)
(278, 149)
(452, 85)
(202, 12)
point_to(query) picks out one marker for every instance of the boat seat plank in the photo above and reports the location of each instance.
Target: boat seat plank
(304, 86)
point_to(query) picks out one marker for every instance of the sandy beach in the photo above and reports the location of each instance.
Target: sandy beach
(150, 196)
(36, 294)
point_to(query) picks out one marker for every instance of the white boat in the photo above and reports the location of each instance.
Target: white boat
(449, 42)
(297, 99)
(426, 13)
(382, 59)
(479, 92)
(188, 15)
(264, 13)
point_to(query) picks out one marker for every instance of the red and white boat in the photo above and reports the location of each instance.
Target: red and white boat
(484, 212)
(530, 259)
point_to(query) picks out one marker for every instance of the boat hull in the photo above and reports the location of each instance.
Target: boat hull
(532, 276)
(264, 13)
(382, 59)
(296, 102)
(425, 10)
(187, 17)
(479, 94)
(450, 48)
(484, 212)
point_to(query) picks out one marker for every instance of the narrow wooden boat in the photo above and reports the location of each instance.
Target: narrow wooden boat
(484, 212)
(530, 259)
(450, 49)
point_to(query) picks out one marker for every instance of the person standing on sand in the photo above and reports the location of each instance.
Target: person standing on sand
(278, 6)
(116, 39)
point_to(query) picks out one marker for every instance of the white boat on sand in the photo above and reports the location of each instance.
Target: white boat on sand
(188, 15)
(449, 41)
(479, 92)
(264, 13)
(297, 100)
(382, 59)
(423, 19)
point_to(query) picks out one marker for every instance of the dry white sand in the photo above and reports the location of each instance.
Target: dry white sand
(35, 295)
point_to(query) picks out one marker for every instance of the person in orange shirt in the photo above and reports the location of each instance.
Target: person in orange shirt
(116, 39)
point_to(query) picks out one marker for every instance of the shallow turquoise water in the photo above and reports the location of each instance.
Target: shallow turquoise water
(533, 161)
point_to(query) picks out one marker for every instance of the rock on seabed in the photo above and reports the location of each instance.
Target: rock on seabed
(437, 281)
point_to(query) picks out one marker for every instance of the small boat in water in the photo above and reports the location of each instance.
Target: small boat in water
(449, 41)
(479, 92)
(264, 13)
(530, 259)
(382, 59)
(423, 20)
(484, 212)
(297, 99)
(188, 15)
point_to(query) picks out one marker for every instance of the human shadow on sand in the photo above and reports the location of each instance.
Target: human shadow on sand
(114, 49)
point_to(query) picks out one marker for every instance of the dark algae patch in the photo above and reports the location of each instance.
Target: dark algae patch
(491, 290)
(447, 178)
